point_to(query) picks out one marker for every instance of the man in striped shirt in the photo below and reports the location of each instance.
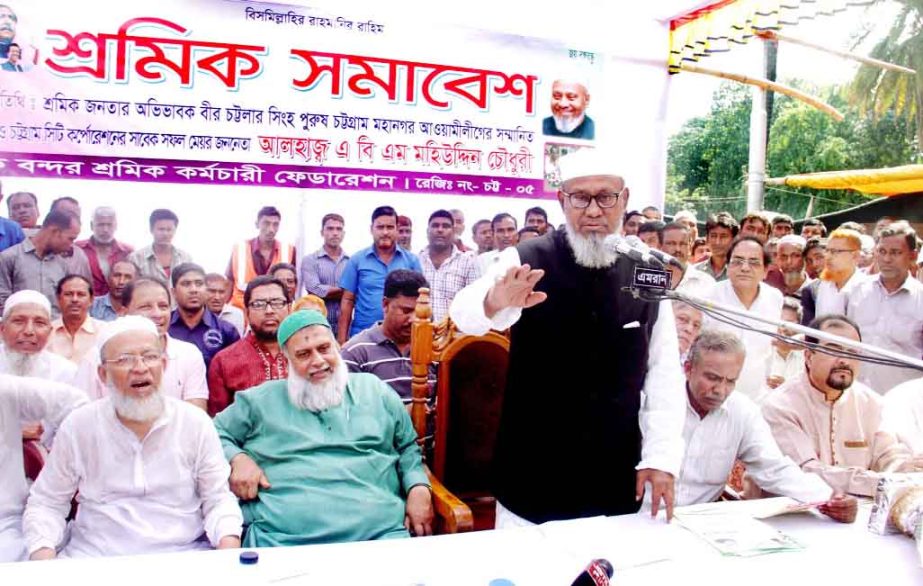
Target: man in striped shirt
(384, 349)
(447, 268)
(321, 270)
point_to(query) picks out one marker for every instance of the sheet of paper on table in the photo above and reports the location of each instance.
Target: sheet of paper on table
(734, 529)
(755, 508)
(630, 542)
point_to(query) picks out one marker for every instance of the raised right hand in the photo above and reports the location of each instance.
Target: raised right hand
(246, 477)
(515, 289)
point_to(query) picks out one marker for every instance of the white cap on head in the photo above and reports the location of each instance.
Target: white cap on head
(868, 243)
(587, 162)
(26, 296)
(573, 75)
(129, 323)
(794, 240)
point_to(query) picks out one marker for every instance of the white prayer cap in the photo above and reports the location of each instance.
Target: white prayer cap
(587, 162)
(577, 76)
(868, 244)
(129, 323)
(794, 240)
(26, 296)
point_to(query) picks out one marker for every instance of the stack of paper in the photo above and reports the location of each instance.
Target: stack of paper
(735, 530)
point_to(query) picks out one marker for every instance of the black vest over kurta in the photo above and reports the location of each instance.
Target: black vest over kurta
(569, 437)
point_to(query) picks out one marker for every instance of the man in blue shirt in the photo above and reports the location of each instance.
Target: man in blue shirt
(10, 232)
(363, 279)
(191, 321)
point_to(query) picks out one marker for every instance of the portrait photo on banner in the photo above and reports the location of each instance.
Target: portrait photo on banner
(570, 89)
(18, 52)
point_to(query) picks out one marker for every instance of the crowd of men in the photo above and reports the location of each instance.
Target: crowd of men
(268, 405)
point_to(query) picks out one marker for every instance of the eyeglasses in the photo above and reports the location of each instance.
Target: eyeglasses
(125, 361)
(262, 304)
(581, 200)
(835, 251)
(753, 263)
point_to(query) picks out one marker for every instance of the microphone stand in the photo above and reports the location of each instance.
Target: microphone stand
(864, 348)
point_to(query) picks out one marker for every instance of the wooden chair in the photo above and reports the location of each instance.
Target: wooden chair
(471, 378)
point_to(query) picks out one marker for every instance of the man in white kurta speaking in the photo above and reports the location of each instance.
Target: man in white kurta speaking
(723, 426)
(570, 440)
(24, 399)
(148, 469)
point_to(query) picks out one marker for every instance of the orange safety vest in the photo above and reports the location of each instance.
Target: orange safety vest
(244, 271)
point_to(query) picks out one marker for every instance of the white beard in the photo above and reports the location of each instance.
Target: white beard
(318, 397)
(21, 364)
(567, 125)
(591, 252)
(133, 409)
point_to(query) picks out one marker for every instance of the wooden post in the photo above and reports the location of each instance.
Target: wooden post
(769, 85)
(845, 54)
(421, 355)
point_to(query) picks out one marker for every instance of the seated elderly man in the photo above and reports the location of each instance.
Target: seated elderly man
(828, 422)
(147, 468)
(723, 426)
(25, 329)
(21, 400)
(327, 455)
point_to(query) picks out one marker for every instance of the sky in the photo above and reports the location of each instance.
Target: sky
(690, 94)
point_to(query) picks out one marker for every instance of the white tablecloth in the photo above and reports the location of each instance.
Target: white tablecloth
(644, 551)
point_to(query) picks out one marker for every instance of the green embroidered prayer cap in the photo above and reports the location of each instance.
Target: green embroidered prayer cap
(300, 320)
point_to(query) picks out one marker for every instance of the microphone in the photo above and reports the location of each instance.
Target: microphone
(597, 573)
(663, 257)
(633, 248)
(623, 247)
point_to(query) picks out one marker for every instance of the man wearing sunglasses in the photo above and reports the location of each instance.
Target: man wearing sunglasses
(590, 397)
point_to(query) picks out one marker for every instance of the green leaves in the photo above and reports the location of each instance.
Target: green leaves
(707, 159)
(877, 92)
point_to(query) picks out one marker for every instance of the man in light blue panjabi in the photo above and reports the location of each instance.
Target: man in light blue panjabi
(326, 455)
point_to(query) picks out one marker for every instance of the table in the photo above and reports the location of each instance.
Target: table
(551, 554)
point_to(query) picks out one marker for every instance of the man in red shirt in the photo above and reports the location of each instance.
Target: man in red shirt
(102, 249)
(256, 358)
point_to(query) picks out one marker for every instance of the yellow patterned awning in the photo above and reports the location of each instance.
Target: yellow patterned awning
(891, 181)
(717, 27)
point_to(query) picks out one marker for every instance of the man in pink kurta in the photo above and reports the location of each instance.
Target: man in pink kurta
(826, 421)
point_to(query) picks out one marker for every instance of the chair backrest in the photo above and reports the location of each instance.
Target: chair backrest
(471, 378)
